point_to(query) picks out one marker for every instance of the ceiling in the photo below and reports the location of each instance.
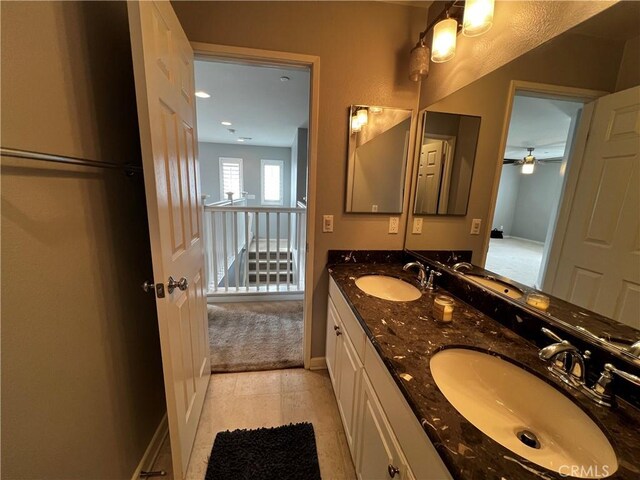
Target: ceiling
(254, 99)
(541, 123)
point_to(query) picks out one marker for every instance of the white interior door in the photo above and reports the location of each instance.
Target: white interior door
(599, 266)
(429, 171)
(163, 67)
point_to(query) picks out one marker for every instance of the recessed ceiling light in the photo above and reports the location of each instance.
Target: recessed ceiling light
(202, 94)
(284, 78)
(226, 123)
(241, 139)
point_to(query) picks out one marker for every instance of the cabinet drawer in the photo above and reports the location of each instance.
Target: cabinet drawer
(349, 321)
(417, 447)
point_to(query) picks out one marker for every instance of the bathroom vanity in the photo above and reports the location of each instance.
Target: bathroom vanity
(400, 423)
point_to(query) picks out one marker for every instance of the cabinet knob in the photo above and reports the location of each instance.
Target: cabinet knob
(338, 332)
(392, 470)
(336, 327)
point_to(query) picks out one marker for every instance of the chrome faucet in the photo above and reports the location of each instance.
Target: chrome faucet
(602, 391)
(462, 265)
(430, 283)
(422, 273)
(566, 361)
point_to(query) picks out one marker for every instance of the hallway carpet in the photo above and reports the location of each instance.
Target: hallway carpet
(255, 336)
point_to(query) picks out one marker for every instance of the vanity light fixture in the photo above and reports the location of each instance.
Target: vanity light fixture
(478, 17)
(202, 94)
(418, 62)
(474, 17)
(529, 162)
(363, 116)
(445, 34)
(355, 124)
(375, 110)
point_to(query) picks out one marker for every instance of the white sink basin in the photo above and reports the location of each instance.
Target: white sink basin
(388, 288)
(504, 401)
(497, 286)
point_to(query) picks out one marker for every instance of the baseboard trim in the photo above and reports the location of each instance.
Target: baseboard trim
(151, 453)
(524, 239)
(317, 363)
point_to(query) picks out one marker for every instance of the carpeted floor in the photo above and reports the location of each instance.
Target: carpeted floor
(255, 336)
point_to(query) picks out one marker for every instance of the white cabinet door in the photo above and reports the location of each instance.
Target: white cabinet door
(349, 385)
(333, 345)
(378, 455)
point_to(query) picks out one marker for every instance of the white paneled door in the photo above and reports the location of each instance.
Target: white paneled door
(599, 267)
(163, 68)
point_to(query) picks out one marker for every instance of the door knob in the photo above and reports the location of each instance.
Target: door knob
(149, 287)
(181, 284)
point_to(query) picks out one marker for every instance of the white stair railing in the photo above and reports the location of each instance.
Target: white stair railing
(254, 249)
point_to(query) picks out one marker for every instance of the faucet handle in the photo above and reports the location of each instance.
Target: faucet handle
(552, 335)
(622, 374)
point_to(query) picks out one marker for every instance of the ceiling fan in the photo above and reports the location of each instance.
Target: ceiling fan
(528, 163)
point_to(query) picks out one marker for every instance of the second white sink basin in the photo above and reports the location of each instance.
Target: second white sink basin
(388, 288)
(523, 413)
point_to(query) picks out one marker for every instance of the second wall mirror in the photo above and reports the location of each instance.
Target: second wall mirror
(377, 158)
(447, 152)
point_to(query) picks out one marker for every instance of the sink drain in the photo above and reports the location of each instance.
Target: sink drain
(528, 438)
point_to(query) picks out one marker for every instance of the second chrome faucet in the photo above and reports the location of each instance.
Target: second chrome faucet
(426, 283)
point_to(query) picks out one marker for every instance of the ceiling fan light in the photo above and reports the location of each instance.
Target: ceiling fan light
(527, 168)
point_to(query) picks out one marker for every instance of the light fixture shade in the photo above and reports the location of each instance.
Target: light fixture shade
(527, 168)
(363, 116)
(478, 17)
(355, 124)
(443, 47)
(419, 62)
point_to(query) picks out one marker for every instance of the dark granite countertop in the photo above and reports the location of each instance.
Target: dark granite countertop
(406, 336)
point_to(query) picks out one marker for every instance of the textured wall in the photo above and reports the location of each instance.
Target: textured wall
(363, 49)
(518, 27)
(82, 389)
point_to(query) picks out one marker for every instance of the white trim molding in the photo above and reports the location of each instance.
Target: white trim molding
(255, 56)
(317, 363)
(151, 453)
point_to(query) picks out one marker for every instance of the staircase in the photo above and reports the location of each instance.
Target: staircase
(279, 262)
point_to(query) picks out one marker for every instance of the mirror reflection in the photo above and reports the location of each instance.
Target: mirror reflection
(445, 163)
(377, 158)
(558, 179)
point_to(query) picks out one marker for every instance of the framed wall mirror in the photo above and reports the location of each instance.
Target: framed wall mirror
(379, 139)
(445, 163)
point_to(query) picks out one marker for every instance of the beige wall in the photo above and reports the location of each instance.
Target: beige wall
(518, 27)
(629, 74)
(82, 390)
(363, 49)
(569, 60)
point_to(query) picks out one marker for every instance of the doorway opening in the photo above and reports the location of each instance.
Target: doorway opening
(253, 136)
(540, 139)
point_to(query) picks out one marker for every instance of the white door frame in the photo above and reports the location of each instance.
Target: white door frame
(254, 56)
(551, 91)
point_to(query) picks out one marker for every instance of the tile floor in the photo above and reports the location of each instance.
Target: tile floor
(515, 258)
(269, 399)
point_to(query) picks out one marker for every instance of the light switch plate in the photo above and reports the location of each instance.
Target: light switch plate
(417, 226)
(327, 223)
(393, 224)
(251, 197)
(475, 226)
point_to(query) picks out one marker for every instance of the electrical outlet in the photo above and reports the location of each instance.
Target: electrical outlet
(393, 224)
(374, 208)
(417, 226)
(327, 223)
(475, 226)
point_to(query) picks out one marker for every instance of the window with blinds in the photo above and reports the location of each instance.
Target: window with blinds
(230, 177)
(272, 182)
